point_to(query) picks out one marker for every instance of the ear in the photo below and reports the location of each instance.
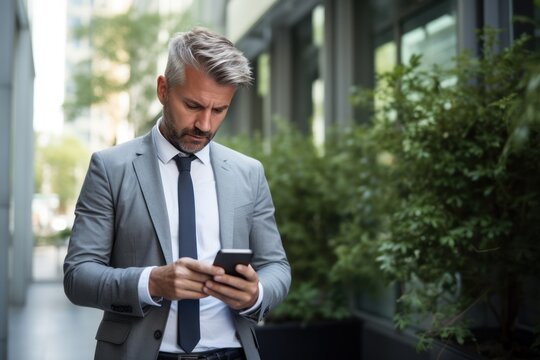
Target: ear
(161, 89)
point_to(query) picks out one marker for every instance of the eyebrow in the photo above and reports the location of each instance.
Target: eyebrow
(196, 103)
(222, 108)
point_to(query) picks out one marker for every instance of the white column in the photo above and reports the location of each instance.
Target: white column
(467, 11)
(498, 15)
(340, 61)
(22, 166)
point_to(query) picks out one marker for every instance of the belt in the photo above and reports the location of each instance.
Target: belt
(222, 354)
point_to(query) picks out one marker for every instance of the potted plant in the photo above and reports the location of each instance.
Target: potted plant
(314, 320)
(462, 236)
(438, 194)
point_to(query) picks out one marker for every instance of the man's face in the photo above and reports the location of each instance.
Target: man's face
(194, 110)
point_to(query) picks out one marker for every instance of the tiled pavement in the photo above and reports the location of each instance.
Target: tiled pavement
(49, 327)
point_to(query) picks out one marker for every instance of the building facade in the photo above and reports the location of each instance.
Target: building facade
(16, 158)
(104, 124)
(307, 55)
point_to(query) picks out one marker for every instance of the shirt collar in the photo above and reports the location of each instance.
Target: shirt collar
(166, 151)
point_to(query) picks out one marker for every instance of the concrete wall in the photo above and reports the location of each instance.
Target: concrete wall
(16, 154)
(243, 14)
(347, 56)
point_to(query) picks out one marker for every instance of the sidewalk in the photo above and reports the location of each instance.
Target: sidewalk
(49, 327)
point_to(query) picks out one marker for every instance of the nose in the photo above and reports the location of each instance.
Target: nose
(204, 121)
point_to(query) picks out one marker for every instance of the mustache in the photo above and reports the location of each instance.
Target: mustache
(198, 132)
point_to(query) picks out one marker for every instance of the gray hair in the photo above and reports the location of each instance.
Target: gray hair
(209, 52)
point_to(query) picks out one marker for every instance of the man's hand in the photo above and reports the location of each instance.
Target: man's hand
(184, 279)
(237, 292)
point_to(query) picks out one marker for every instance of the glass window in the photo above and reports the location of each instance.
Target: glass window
(263, 75)
(385, 53)
(263, 121)
(317, 87)
(385, 60)
(431, 34)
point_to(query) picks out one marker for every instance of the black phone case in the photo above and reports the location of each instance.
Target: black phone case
(229, 258)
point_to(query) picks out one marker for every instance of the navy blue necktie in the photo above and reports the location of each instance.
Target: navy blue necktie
(189, 332)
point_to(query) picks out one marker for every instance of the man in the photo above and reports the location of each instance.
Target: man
(126, 250)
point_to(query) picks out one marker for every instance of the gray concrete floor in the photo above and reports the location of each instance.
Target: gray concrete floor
(48, 326)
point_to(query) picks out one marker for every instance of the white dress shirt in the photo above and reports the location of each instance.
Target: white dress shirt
(216, 322)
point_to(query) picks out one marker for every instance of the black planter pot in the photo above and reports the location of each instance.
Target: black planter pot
(362, 339)
(449, 352)
(293, 341)
(381, 341)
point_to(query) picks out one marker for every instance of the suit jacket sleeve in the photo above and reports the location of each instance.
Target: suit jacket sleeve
(270, 260)
(89, 278)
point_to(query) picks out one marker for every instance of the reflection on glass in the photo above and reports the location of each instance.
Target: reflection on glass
(317, 20)
(385, 60)
(263, 92)
(385, 57)
(263, 75)
(317, 123)
(317, 86)
(435, 40)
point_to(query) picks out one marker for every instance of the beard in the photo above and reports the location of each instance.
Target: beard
(179, 138)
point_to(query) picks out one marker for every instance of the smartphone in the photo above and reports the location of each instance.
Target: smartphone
(229, 258)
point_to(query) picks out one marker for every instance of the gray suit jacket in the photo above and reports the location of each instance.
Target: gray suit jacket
(121, 227)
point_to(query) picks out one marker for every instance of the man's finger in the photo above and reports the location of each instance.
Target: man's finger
(187, 294)
(200, 266)
(234, 298)
(233, 302)
(189, 285)
(248, 272)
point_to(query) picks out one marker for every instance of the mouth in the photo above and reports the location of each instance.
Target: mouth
(197, 137)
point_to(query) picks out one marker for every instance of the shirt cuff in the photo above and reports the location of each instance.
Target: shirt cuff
(144, 293)
(257, 304)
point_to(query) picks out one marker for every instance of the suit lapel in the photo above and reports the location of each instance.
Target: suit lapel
(225, 195)
(148, 174)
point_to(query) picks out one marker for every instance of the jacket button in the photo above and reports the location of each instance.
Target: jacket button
(158, 334)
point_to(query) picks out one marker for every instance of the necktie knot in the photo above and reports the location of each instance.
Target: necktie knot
(184, 162)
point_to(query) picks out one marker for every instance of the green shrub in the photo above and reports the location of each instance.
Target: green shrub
(361, 173)
(466, 149)
(439, 194)
(307, 219)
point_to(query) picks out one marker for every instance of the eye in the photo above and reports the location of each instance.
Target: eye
(220, 110)
(192, 106)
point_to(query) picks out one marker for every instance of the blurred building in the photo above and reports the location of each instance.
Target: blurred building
(102, 125)
(16, 157)
(307, 55)
(108, 123)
